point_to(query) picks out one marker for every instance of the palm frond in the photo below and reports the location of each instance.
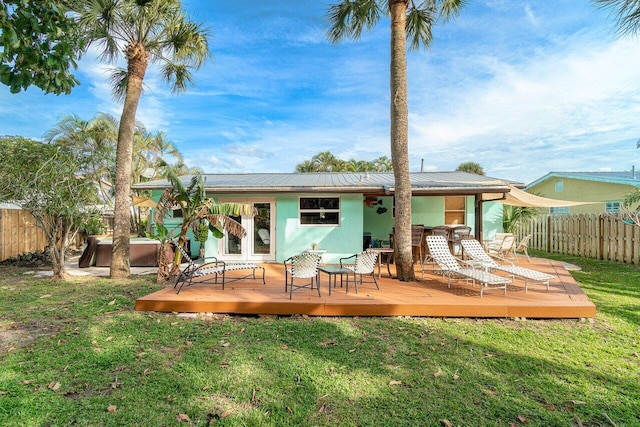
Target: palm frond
(224, 222)
(349, 18)
(625, 12)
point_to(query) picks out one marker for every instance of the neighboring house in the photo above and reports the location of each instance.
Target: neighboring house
(606, 189)
(335, 211)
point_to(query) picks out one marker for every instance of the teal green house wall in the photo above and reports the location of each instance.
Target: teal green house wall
(356, 218)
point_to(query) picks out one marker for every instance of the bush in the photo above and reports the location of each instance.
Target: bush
(30, 259)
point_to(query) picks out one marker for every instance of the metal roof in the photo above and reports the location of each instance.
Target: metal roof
(342, 182)
(622, 177)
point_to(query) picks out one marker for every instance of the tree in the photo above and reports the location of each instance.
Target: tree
(143, 32)
(515, 216)
(347, 20)
(327, 162)
(45, 181)
(470, 167)
(197, 209)
(39, 44)
(627, 14)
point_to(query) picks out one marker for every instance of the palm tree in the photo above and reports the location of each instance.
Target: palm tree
(627, 14)
(470, 167)
(197, 209)
(408, 19)
(143, 32)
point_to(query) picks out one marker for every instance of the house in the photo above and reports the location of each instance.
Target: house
(336, 213)
(606, 189)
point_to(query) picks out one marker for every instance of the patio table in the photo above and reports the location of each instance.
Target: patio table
(381, 251)
(333, 270)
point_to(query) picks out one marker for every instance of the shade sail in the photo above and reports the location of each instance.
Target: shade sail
(143, 202)
(517, 197)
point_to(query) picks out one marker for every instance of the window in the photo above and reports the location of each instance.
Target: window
(319, 210)
(454, 209)
(612, 207)
(559, 211)
(176, 213)
(559, 186)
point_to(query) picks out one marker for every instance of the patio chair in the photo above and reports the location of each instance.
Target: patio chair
(460, 232)
(302, 266)
(474, 250)
(523, 246)
(503, 246)
(363, 265)
(210, 266)
(451, 268)
(417, 233)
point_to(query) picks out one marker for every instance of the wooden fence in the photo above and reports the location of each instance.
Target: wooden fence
(586, 235)
(19, 233)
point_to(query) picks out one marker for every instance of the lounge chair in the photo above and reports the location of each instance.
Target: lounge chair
(209, 267)
(503, 246)
(363, 265)
(451, 268)
(523, 246)
(473, 249)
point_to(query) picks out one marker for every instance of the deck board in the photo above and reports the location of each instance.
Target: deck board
(425, 297)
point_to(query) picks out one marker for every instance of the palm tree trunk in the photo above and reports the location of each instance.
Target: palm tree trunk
(137, 58)
(400, 141)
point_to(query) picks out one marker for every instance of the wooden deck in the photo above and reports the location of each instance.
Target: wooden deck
(429, 297)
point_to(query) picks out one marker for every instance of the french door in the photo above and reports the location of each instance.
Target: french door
(259, 243)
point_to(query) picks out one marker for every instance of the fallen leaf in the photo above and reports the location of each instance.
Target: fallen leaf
(188, 343)
(242, 330)
(322, 408)
(112, 408)
(261, 357)
(284, 347)
(25, 382)
(108, 338)
(446, 423)
(183, 417)
(54, 385)
(456, 376)
(289, 410)
(112, 302)
(394, 382)
(578, 402)
(578, 421)
(226, 413)
(522, 419)
(438, 373)
(46, 296)
(226, 344)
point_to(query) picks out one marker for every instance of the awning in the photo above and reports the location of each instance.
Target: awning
(517, 197)
(143, 202)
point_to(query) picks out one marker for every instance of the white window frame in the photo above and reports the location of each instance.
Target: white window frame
(321, 210)
(612, 206)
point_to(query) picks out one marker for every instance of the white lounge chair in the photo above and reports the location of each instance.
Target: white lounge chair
(473, 249)
(450, 267)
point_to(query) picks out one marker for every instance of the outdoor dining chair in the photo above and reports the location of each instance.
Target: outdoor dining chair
(451, 268)
(363, 265)
(303, 266)
(474, 250)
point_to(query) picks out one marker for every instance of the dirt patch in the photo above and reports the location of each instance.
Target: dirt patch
(11, 339)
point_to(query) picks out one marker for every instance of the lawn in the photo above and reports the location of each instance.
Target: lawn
(75, 353)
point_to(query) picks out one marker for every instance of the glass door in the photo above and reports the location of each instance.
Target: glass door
(258, 244)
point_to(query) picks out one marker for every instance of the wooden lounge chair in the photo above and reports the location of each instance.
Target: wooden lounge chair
(473, 249)
(451, 268)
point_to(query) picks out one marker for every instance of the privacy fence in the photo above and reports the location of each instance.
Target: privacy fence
(19, 233)
(586, 235)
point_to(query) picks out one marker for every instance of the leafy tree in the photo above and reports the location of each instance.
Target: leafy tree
(470, 167)
(515, 216)
(39, 44)
(197, 209)
(348, 19)
(45, 181)
(327, 162)
(142, 32)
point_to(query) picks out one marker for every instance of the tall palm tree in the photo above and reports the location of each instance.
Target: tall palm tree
(470, 167)
(143, 32)
(408, 19)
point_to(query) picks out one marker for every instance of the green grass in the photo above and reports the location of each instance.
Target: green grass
(70, 350)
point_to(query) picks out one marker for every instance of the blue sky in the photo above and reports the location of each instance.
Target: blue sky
(521, 87)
